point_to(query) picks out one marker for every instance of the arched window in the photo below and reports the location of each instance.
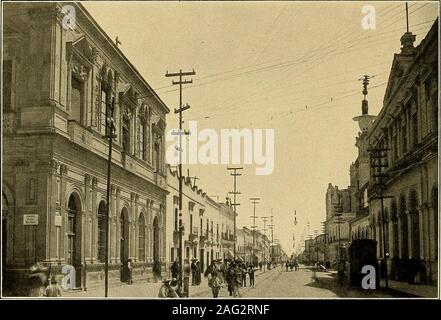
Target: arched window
(102, 231)
(404, 230)
(415, 224)
(141, 237)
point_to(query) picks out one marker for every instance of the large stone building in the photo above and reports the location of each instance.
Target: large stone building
(60, 74)
(406, 129)
(339, 210)
(208, 232)
(244, 249)
(408, 125)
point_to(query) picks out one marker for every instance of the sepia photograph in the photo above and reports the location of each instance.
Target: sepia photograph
(221, 150)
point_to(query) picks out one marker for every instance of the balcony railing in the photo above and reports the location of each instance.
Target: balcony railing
(193, 234)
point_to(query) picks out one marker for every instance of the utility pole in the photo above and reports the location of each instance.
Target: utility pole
(378, 161)
(264, 239)
(235, 174)
(180, 133)
(271, 226)
(194, 177)
(110, 129)
(254, 201)
(325, 243)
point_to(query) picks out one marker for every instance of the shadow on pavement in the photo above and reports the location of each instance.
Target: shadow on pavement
(329, 281)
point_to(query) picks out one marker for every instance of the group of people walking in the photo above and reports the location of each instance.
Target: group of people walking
(232, 273)
(291, 264)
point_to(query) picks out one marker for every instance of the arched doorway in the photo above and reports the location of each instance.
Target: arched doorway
(434, 201)
(141, 237)
(394, 220)
(124, 243)
(102, 213)
(5, 212)
(415, 224)
(74, 236)
(156, 262)
(404, 230)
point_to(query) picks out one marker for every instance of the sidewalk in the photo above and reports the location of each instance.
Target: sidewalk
(417, 290)
(148, 290)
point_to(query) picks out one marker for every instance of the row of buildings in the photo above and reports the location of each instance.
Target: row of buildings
(396, 168)
(60, 73)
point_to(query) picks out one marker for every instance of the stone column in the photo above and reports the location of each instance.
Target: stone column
(88, 209)
(400, 237)
(94, 230)
(421, 232)
(118, 225)
(409, 233)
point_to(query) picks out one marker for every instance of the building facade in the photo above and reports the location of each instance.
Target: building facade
(208, 225)
(407, 125)
(59, 82)
(339, 211)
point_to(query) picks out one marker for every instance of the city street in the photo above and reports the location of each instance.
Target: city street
(275, 283)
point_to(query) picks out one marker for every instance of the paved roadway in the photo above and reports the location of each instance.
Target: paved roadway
(275, 283)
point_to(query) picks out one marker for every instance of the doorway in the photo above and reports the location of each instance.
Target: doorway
(124, 243)
(74, 236)
(156, 262)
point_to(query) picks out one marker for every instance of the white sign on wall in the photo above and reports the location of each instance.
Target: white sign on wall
(30, 219)
(58, 221)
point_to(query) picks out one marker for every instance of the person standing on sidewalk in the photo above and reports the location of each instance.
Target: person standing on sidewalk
(129, 271)
(229, 277)
(215, 284)
(193, 272)
(251, 271)
(174, 269)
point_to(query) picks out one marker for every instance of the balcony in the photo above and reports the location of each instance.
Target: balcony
(193, 235)
(227, 238)
(203, 239)
(79, 134)
(175, 236)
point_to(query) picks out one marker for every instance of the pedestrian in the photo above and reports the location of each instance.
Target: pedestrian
(129, 271)
(215, 284)
(53, 289)
(169, 289)
(251, 271)
(198, 273)
(244, 275)
(286, 265)
(37, 280)
(193, 272)
(237, 280)
(260, 266)
(174, 269)
(230, 278)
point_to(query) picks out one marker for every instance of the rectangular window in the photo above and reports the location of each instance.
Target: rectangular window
(7, 85)
(103, 111)
(58, 190)
(32, 190)
(415, 129)
(404, 138)
(142, 154)
(126, 135)
(76, 99)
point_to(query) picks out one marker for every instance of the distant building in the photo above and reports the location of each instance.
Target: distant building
(208, 225)
(339, 210)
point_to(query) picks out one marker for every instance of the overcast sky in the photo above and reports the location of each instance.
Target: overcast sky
(258, 65)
